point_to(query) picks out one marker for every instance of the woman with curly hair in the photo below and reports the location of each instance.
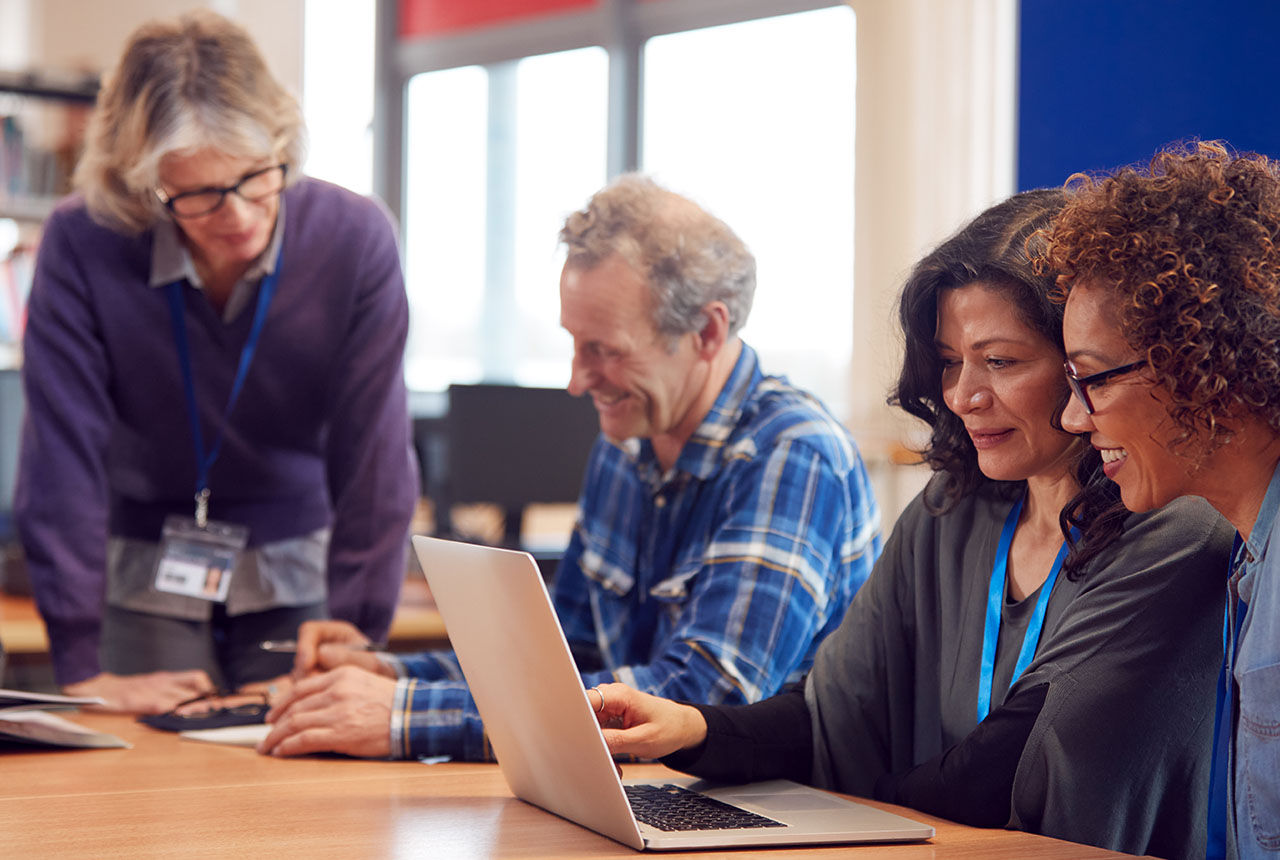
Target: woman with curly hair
(968, 678)
(1172, 325)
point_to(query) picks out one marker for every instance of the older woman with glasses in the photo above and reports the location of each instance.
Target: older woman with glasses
(213, 378)
(1171, 329)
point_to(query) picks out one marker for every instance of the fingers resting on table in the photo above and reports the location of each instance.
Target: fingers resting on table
(346, 710)
(149, 693)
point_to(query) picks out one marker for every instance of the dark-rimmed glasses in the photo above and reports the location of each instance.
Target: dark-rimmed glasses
(255, 187)
(1080, 384)
(217, 712)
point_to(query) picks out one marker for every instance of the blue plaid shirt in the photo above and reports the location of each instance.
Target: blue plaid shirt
(712, 583)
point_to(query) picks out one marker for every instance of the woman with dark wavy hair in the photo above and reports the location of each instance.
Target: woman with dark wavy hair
(968, 678)
(1172, 325)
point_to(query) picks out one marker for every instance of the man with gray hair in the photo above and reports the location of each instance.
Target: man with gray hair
(725, 522)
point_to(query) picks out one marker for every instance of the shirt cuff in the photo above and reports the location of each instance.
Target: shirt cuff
(74, 649)
(401, 704)
(392, 662)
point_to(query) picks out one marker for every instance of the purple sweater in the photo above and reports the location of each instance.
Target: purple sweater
(320, 435)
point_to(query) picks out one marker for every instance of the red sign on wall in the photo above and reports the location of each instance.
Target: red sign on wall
(423, 18)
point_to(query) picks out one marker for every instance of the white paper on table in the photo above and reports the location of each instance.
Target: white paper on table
(46, 728)
(239, 736)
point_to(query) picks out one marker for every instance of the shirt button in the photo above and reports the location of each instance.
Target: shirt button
(660, 501)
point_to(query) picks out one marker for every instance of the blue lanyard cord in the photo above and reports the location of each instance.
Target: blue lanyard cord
(1224, 723)
(204, 462)
(995, 605)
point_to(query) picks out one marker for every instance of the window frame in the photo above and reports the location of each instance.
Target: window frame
(621, 27)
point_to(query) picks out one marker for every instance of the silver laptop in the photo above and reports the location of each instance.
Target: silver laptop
(544, 732)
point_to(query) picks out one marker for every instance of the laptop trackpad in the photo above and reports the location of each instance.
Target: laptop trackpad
(779, 796)
(788, 802)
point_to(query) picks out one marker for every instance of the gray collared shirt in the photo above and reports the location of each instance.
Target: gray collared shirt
(285, 573)
(171, 261)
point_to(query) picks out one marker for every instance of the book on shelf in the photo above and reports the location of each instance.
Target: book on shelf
(25, 720)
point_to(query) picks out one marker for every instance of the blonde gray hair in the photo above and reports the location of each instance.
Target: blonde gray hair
(190, 83)
(688, 257)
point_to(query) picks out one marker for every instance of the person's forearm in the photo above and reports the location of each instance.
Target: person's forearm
(427, 666)
(367, 560)
(772, 739)
(972, 782)
(60, 496)
(437, 718)
(372, 473)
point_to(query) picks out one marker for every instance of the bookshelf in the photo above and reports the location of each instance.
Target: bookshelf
(42, 117)
(67, 87)
(33, 174)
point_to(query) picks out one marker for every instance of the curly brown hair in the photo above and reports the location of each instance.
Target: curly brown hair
(1190, 250)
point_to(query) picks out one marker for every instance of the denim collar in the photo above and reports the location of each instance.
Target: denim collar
(1260, 534)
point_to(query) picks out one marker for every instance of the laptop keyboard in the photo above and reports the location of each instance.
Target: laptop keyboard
(671, 807)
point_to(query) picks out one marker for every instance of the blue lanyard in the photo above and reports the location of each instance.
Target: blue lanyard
(204, 462)
(1224, 724)
(995, 603)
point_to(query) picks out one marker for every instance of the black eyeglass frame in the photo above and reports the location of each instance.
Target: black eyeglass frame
(1080, 384)
(168, 201)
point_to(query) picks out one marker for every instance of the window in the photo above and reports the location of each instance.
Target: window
(763, 137)
(444, 231)
(497, 157)
(508, 127)
(337, 94)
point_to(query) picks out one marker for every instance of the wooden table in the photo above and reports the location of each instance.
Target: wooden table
(416, 626)
(169, 797)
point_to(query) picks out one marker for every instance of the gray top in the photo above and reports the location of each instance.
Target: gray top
(1119, 755)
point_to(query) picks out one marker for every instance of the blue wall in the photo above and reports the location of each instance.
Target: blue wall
(1105, 83)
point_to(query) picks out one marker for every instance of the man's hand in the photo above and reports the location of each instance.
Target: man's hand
(346, 710)
(152, 693)
(642, 725)
(273, 689)
(329, 644)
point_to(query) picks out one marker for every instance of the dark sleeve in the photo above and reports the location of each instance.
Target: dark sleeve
(973, 781)
(770, 739)
(1139, 654)
(61, 495)
(371, 471)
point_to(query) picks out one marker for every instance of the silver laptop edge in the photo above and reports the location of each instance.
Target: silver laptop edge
(503, 627)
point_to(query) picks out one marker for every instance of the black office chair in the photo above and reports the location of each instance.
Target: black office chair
(507, 445)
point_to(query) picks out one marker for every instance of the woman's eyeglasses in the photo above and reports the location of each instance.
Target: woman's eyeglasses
(255, 187)
(213, 710)
(1080, 385)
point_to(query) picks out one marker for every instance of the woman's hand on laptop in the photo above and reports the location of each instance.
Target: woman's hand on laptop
(636, 723)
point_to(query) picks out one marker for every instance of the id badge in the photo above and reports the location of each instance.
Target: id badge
(198, 562)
